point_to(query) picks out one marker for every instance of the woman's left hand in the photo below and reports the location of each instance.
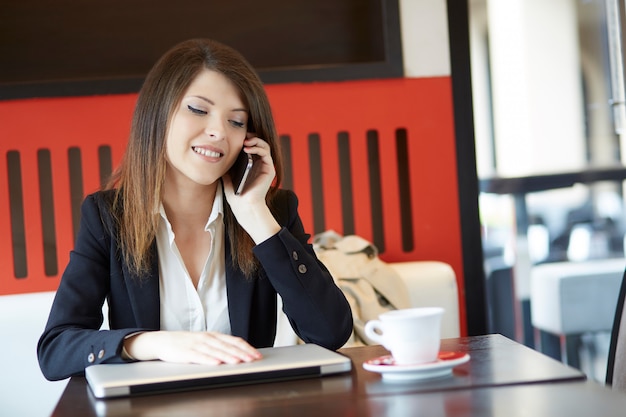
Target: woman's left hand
(250, 207)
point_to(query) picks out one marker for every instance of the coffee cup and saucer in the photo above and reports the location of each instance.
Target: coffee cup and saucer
(413, 337)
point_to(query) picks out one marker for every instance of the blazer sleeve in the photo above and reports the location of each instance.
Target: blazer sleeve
(72, 339)
(316, 308)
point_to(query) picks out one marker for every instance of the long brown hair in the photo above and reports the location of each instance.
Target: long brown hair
(139, 179)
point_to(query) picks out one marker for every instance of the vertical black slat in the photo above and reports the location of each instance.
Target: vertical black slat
(285, 148)
(76, 186)
(317, 190)
(404, 186)
(474, 281)
(16, 206)
(105, 162)
(46, 198)
(345, 178)
(375, 190)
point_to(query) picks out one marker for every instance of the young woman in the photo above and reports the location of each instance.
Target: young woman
(189, 269)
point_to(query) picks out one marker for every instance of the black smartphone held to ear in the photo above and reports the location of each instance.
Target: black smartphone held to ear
(240, 171)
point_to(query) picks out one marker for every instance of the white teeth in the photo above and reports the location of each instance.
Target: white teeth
(206, 152)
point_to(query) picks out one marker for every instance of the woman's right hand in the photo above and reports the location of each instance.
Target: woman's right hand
(208, 348)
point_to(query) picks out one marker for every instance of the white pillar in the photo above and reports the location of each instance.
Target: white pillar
(536, 85)
(425, 40)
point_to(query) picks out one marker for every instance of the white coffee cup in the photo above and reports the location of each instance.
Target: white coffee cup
(412, 335)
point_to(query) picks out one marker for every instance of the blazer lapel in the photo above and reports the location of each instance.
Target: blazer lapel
(144, 294)
(239, 290)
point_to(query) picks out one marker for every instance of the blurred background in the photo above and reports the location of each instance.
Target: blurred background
(548, 93)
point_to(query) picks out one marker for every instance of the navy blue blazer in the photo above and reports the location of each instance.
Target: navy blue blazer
(71, 341)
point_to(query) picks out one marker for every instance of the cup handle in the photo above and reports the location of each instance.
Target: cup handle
(373, 330)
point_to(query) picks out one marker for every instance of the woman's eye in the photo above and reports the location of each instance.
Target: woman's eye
(195, 111)
(237, 124)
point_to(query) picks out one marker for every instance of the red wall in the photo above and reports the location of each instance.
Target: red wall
(421, 106)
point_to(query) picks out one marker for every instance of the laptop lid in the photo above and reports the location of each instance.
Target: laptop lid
(278, 363)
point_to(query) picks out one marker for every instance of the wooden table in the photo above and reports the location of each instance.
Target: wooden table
(502, 378)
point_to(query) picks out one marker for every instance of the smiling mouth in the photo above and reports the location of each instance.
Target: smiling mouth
(206, 152)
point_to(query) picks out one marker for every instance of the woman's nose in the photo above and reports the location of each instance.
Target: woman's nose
(215, 129)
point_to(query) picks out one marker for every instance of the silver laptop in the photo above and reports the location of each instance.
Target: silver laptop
(278, 363)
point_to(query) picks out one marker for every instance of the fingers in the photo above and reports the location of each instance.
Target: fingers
(257, 146)
(225, 348)
(206, 348)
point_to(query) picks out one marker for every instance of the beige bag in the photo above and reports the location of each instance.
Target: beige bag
(370, 285)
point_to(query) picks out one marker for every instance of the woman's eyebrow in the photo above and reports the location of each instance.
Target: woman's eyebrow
(205, 99)
(211, 102)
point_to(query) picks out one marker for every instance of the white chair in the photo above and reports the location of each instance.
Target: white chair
(428, 283)
(22, 320)
(568, 299)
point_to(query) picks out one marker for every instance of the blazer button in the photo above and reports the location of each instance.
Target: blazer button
(302, 268)
(101, 354)
(294, 255)
(91, 358)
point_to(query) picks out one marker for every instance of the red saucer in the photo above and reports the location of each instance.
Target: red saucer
(443, 356)
(390, 371)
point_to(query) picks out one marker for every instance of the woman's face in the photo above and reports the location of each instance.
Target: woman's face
(206, 132)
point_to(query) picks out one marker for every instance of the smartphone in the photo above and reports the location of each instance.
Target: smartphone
(240, 171)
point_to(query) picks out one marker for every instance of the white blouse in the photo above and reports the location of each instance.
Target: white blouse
(182, 306)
